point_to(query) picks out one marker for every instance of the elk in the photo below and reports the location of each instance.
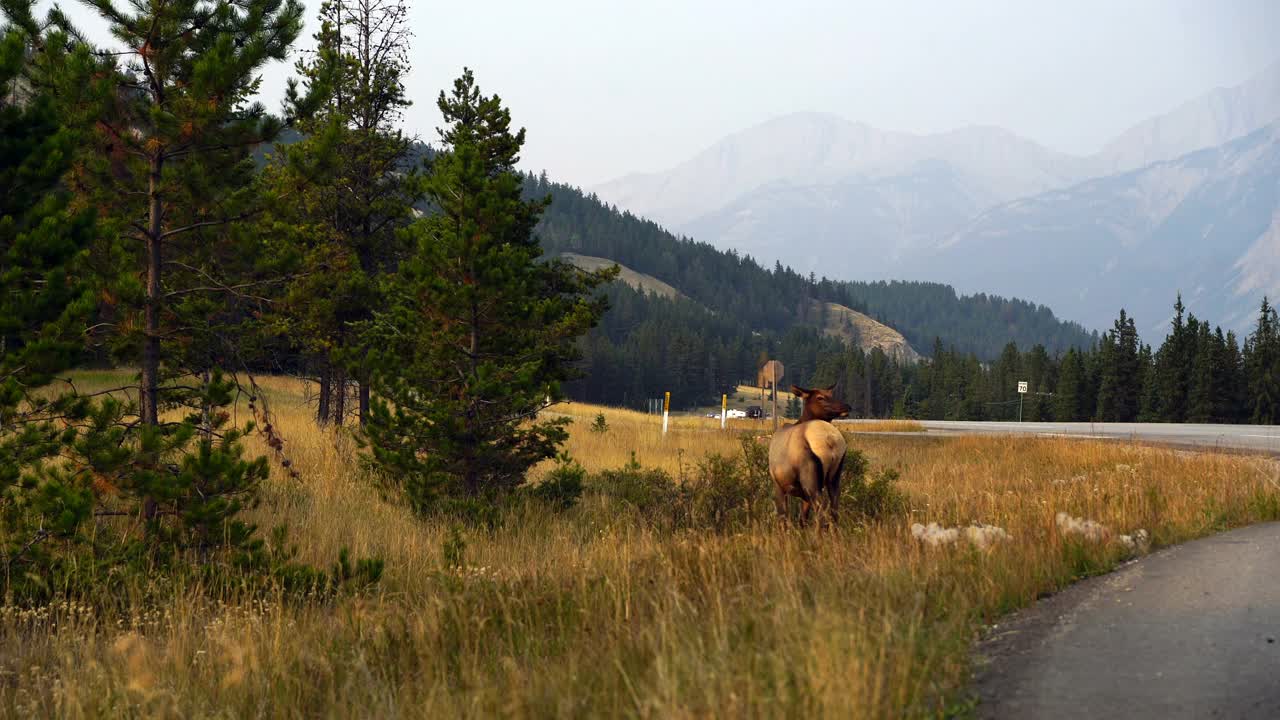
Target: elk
(807, 457)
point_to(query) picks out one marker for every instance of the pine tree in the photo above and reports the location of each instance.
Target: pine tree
(1066, 395)
(1119, 368)
(165, 159)
(793, 408)
(174, 147)
(44, 295)
(1149, 401)
(1231, 398)
(356, 183)
(480, 331)
(1092, 379)
(1007, 374)
(1262, 366)
(1200, 399)
(932, 394)
(1173, 368)
(44, 301)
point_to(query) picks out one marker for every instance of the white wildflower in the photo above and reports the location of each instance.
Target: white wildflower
(985, 536)
(1139, 542)
(934, 534)
(1087, 529)
(982, 536)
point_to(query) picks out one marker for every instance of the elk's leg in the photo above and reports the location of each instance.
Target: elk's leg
(833, 493)
(780, 503)
(810, 480)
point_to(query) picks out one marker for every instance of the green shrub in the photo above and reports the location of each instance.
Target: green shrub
(562, 487)
(725, 494)
(864, 501)
(720, 493)
(453, 550)
(297, 579)
(649, 493)
(755, 459)
(486, 511)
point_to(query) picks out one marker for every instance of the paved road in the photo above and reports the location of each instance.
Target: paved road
(1237, 437)
(1191, 631)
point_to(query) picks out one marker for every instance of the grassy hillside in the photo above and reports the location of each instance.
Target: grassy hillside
(849, 326)
(858, 330)
(639, 281)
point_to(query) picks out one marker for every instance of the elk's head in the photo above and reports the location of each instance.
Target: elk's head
(820, 403)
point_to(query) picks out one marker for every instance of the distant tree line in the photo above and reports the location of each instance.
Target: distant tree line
(1199, 374)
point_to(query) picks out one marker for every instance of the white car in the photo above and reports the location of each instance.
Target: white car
(735, 413)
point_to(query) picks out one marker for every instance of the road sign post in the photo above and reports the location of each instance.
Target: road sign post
(1022, 391)
(666, 408)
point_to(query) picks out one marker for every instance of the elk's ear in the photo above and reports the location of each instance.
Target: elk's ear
(799, 391)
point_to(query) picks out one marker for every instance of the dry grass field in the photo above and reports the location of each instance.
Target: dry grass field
(591, 612)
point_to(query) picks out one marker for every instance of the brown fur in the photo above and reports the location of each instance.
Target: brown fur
(806, 459)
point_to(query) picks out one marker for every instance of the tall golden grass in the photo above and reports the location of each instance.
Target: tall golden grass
(590, 614)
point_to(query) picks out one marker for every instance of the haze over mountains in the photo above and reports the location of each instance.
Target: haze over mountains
(1188, 201)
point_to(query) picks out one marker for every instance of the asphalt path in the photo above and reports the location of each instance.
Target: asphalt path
(1265, 438)
(1191, 631)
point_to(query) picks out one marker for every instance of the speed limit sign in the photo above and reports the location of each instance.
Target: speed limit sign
(1022, 387)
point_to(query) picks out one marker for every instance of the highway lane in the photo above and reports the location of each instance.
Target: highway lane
(1264, 438)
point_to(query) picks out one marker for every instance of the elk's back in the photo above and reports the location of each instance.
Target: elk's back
(796, 444)
(825, 441)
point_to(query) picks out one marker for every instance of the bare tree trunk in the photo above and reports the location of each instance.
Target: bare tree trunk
(471, 473)
(147, 393)
(868, 408)
(339, 396)
(322, 411)
(364, 403)
(149, 387)
(206, 410)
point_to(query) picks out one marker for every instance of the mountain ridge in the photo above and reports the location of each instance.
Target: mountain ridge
(839, 197)
(833, 149)
(1213, 118)
(1206, 225)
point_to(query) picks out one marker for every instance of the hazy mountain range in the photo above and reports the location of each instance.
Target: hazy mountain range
(1187, 201)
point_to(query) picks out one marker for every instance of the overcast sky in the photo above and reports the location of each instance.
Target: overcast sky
(609, 87)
